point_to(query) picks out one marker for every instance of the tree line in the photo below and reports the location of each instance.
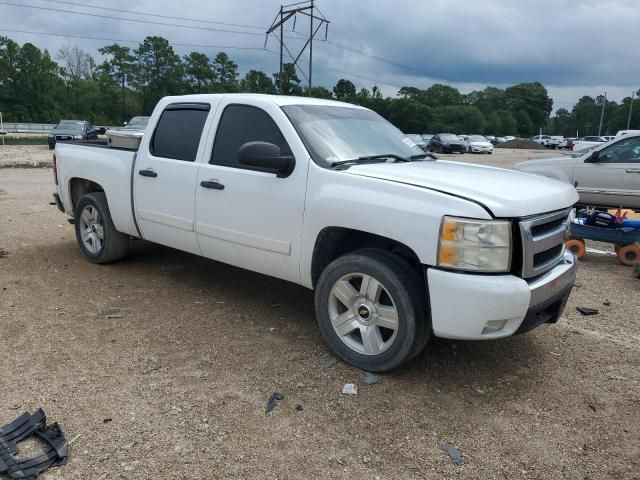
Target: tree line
(34, 87)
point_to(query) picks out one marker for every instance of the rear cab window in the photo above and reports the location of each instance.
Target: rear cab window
(178, 132)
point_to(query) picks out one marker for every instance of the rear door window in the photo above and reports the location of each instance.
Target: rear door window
(178, 132)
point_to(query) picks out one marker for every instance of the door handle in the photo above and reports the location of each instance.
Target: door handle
(212, 184)
(148, 173)
(633, 170)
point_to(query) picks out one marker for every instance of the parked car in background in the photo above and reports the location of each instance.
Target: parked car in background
(427, 137)
(68, 130)
(608, 176)
(491, 138)
(398, 246)
(137, 123)
(446, 143)
(477, 144)
(542, 140)
(625, 132)
(417, 139)
(585, 142)
(556, 141)
(508, 138)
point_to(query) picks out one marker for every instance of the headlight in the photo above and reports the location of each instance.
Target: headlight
(475, 245)
(77, 137)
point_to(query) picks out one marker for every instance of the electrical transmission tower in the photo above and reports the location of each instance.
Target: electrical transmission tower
(288, 12)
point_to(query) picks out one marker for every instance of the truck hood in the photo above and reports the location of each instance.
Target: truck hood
(505, 193)
(64, 131)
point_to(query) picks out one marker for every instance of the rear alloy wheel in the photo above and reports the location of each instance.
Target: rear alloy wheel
(97, 236)
(371, 309)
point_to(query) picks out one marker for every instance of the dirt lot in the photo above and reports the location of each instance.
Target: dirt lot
(160, 367)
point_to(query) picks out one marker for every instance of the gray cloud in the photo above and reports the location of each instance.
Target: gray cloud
(574, 48)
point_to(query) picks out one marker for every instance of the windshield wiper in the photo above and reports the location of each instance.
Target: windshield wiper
(370, 159)
(421, 156)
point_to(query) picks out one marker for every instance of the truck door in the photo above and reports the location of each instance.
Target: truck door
(244, 216)
(165, 175)
(614, 179)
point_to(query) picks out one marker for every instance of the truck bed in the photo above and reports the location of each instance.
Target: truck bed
(109, 167)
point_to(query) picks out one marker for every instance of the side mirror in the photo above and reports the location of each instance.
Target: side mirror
(593, 158)
(266, 156)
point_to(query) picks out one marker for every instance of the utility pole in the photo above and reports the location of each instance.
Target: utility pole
(630, 110)
(604, 102)
(309, 9)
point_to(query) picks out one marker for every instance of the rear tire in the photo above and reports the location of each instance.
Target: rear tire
(97, 237)
(371, 308)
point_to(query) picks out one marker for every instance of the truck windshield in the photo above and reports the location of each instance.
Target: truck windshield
(335, 134)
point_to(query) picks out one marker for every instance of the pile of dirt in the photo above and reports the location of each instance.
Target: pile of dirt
(521, 143)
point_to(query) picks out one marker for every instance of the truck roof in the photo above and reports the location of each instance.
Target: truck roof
(279, 100)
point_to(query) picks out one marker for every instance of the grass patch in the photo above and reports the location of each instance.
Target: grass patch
(11, 140)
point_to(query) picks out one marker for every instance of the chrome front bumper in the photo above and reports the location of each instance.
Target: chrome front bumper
(558, 279)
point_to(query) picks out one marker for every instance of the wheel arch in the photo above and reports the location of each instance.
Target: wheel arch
(333, 242)
(78, 187)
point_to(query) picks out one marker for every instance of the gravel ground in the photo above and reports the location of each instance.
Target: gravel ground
(160, 366)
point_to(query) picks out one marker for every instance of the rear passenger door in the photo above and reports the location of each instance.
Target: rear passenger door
(246, 216)
(165, 175)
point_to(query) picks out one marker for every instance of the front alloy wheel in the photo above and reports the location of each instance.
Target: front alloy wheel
(371, 307)
(363, 314)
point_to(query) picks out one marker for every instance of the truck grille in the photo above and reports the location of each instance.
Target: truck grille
(543, 239)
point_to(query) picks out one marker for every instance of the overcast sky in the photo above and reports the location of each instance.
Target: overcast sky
(574, 47)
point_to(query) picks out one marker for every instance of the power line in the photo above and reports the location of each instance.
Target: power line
(123, 19)
(157, 15)
(107, 39)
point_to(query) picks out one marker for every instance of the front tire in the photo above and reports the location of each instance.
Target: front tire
(371, 308)
(97, 237)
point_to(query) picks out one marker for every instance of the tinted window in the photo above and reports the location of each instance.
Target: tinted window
(241, 124)
(624, 151)
(178, 132)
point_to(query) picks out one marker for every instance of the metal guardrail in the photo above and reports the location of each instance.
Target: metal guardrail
(10, 127)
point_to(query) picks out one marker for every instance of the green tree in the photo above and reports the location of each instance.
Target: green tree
(158, 72)
(256, 81)
(225, 72)
(501, 122)
(118, 66)
(318, 92)
(344, 90)
(408, 115)
(409, 92)
(533, 99)
(198, 71)
(523, 123)
(290, 80)
(439, 95)
(458, 119)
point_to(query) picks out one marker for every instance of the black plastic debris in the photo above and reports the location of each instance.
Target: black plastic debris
(370, 378)
(4, 254)
(299, 408)
(454, 454)
(333, 361)
(587, 311)
(54, 455)
(273, 401)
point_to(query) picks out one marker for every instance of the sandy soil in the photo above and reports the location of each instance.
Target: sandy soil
(160, 367)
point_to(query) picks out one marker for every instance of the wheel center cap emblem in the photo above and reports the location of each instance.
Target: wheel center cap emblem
(363, 311)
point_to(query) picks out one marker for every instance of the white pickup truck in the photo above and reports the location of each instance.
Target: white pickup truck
(398, 246)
